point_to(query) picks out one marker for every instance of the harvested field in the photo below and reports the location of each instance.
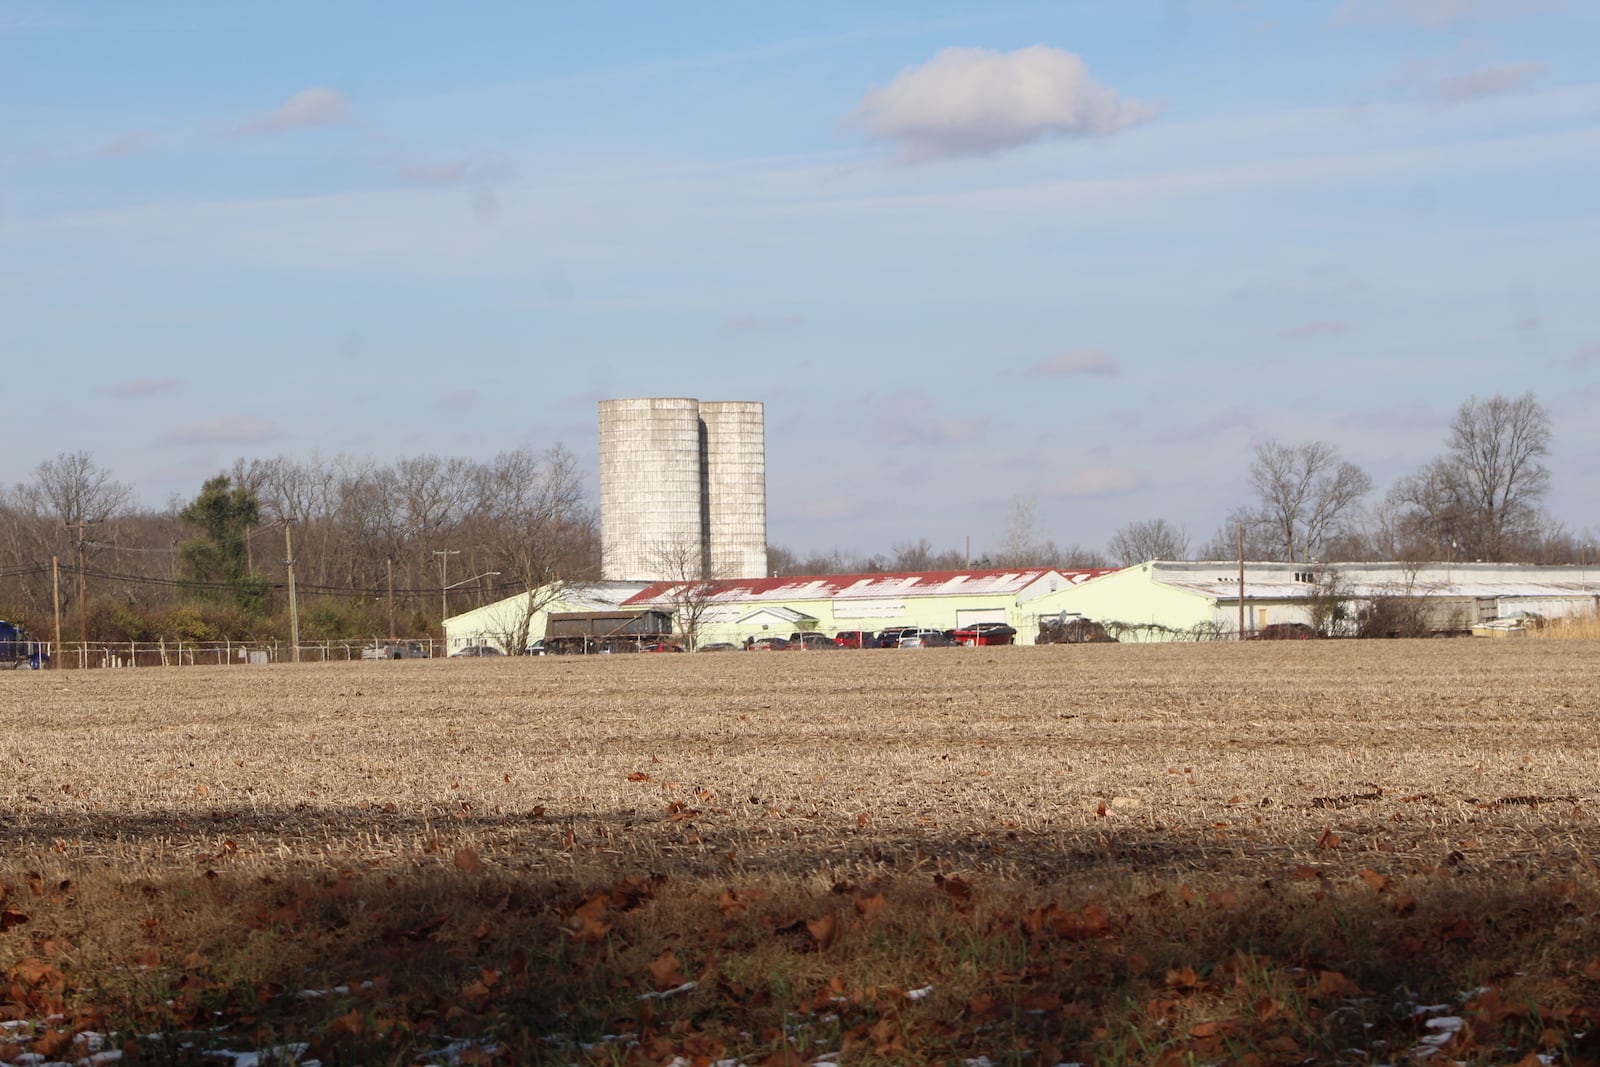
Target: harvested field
(1092, 853)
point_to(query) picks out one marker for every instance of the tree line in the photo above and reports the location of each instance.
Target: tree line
(215, 566)
(1481, 498)
(447, 534)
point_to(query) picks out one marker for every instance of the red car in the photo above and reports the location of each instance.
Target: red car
(985, 633)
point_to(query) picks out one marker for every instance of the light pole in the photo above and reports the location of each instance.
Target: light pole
(444, 555)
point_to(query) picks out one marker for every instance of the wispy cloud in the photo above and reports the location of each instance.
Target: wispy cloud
(459, 400)
(1207, 431)
(309, 107)
(1318, 328)
(1485, 81)
(1077, 361)
(1433, 14)
(132, 143)
(740, 324)
(1099, 481)
(136, 387)
(244, 431)
(826, 508)
(913, 418)
(1587, 356)
(458, 172)
(976, 102)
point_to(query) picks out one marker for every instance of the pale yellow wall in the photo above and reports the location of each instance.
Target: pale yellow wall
(1124, 596)
(936, 613)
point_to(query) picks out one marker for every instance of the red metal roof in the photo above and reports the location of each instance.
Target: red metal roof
(878, 584)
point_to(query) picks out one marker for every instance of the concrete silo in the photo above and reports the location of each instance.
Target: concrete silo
(736, 487)
(683, 489)
(652, 492)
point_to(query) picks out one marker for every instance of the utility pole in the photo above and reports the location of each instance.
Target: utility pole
(1241, 581)
(444, 555)
(83, 590)
(294, 608)
(55, 593)
(389, 564)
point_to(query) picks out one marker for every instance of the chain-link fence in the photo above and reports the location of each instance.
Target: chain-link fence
(104, 654)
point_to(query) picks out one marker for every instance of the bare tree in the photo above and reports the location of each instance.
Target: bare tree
(1306, 492)
(1019, 545)
(1480, 500)
(1244, 523)
(536, 530)
(1148, 539)
(691, 590)
(919, 555)
(73, 489)
(1496, 452)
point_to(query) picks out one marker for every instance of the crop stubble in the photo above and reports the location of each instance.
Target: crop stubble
(989, 758)
(1140, 777)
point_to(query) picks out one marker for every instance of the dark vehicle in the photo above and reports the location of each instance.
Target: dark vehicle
(1284, 631)
(768, 644)
(803, 642)
(856, 639)
(985, 633)
(719, 646)
(606, 631)
(890, 638)
(17, 650)
(661, 646)
(477, 650)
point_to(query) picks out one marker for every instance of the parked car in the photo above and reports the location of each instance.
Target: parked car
(924, 638)
(801, 642)
(890, 638)
(719, 646)
(768, 644)
(536, 649)
(477, 650)
(395, 650)
(856, 639)
(661, 646)
(985, 633)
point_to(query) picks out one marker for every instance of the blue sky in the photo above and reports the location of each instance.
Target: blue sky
(1083, 252)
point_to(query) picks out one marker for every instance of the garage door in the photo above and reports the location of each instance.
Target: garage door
(970, 616)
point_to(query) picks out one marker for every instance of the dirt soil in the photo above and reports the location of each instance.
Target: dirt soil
(1068, 772)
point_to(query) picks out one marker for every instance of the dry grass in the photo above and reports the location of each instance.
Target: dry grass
(1110, 853)
(1577, 626)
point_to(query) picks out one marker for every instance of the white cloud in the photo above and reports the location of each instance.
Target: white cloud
(1078, 361)
(1432, 14)
(1100, 481)
(976, 102)
(245, 431)
(309, 107)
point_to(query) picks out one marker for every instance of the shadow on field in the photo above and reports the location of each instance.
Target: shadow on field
(371, 931)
